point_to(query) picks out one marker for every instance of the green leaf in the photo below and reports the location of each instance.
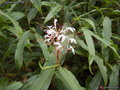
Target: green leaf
(12, 30)
(81, 43)
(68, 79)
(90, 22)
(13, 6)
(19, 50)
(107, 33)
(95, 82)
(42, 45)
(3, 83)
(102, 67)
(46, 3)
(16, 24)
(90, 44)
(29, 82)
(115, 36)
(14, 86)
(37, 4)
(31, 15)
(114, 77)
(42, 81)
(8, 52)
(16, 15)
(53, 12)
(105, 42)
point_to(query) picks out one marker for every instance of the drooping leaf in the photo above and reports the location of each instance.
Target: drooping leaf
(103, 69)
(81, 43)
(42, 81)
(68, 79)
(95, 82)
(19, 50)
(105, 42)
(37, 4)
(43, 46)
(90, 44)
(53, 12)
(16, 24)
(31, 15)
(107, 33)
(13, 6)
(47, 3)
(114, 77)
(3, 83)
(16, 15)
(91, 23)
(11, 29)
(14, 86)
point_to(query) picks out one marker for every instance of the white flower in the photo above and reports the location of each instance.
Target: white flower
(72, 40)
(46, 36)
(47, 40)
(55, 21)
(50, 27)
(61, 38)
(62, 32)
(72, 49)
(57, 43)
(70, 29)
(56, 36)
(58, 46)
(51, 32)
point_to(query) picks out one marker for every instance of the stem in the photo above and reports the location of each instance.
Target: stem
(58, 61)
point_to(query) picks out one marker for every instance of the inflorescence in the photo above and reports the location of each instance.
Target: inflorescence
(56, 37)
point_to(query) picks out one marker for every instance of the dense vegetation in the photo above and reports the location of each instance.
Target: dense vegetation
(27, 62)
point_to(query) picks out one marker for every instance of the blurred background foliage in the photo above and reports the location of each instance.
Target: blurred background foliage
(96, 62)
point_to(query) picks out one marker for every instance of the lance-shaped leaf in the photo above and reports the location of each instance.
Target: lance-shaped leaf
(68, 79)
(20, 47)
(32, 13)
(37, 4)
(91, 23)
(16, 24)
(14, 86)
(53, 12)
(43, 46)
(40, 82)
(95, 82)
(107, 33)
(104, 42)
(103, 69)
(114, 77)
(90, 44)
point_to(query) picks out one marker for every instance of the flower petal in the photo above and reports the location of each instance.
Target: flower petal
(72, 40)
(70, 29)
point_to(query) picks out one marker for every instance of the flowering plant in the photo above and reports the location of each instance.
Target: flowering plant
(56, 37)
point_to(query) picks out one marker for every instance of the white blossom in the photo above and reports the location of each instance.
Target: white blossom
(51, 31)
(56, 36)
(61, 38)
(58, 46)
(72, 40)
(55, 21)
(50, 27)
(47, 40)
(46, 36)
(70, 29)
(62, 31)
(57, 43)
(72, 49)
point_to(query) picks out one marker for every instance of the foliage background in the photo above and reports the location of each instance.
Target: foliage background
(96, 62)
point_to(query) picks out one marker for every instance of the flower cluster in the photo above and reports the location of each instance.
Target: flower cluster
(56, 36)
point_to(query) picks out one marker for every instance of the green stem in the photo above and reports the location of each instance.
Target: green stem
(48, 67)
